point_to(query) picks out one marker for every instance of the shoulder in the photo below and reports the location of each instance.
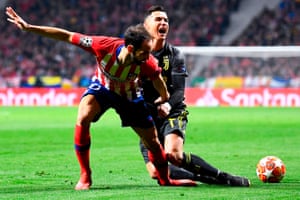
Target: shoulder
(173, 52)
(177, 59)
(150, 66)
(151, 62)
(172, 49)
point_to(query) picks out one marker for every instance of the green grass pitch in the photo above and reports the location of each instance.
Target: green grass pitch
(37, 159)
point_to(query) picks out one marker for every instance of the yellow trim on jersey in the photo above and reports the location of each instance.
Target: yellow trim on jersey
(105, 60)
(114, 68)
(125, 72)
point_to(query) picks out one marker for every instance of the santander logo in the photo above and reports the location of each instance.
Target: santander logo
(266, 97)
(39, 97)
(262, 97)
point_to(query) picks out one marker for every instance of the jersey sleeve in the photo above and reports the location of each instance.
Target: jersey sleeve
(179, 67)
(83, 41)
(97, 45)
(179, 74)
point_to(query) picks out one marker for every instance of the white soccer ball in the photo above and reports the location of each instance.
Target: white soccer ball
(270, 169)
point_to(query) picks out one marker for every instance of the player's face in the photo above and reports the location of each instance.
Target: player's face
(157, 24)
(143, 53)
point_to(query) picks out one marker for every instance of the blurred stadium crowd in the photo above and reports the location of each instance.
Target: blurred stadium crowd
(27, 60)
(278, 27)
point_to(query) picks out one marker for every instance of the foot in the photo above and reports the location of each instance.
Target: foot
(82, 186)
(179, 182)
(84, 182)
(235, 181)
(182, 182)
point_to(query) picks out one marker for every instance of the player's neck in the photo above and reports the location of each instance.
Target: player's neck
(158, 44)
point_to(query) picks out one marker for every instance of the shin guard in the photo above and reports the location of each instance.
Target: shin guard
(82, 148)
(159, 160)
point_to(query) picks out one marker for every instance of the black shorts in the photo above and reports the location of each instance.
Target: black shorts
(132, 113)
(175, 123)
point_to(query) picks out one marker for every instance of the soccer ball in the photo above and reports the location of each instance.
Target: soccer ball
(270, 169)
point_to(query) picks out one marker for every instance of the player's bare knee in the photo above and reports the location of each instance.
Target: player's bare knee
(175, 158)
(83, 120)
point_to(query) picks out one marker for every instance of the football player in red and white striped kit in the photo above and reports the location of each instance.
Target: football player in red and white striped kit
(116, 84)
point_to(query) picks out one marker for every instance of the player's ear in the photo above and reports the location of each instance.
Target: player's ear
(130, 48)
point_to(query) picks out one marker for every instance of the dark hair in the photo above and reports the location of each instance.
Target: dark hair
(136, 35)
(154, 8)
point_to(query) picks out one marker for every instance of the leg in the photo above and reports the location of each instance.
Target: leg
(201, 170)
(174, 141)
(174, 148)
(174, 133)
(158, 157)
(180, 173)
(149, 166)
(209, 174)
(156, 153)
(174, 172)
(87, 110)
(197, 165)
(151, 170)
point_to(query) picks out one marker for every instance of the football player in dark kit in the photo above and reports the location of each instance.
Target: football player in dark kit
(171, 117)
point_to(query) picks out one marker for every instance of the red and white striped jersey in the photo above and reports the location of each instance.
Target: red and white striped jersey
(123, 80)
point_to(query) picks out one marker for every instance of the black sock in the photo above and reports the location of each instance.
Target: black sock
(180, 173)
(197, 165)
(207, 179)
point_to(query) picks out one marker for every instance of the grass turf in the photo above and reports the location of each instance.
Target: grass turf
(38, 160)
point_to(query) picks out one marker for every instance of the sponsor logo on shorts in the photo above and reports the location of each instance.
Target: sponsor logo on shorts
(95, 86)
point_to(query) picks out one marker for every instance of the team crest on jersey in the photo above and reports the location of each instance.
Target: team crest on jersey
(86, 41)
(166, 63)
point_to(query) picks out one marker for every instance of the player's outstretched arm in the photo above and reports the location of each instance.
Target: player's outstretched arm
(46, 31)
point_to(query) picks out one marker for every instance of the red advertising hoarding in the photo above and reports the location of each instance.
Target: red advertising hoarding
(40, 96)
(250, 97)
(265, 97)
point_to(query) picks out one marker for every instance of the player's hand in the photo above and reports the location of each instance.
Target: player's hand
(14, 18)
(159, 100)
(164, 109)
